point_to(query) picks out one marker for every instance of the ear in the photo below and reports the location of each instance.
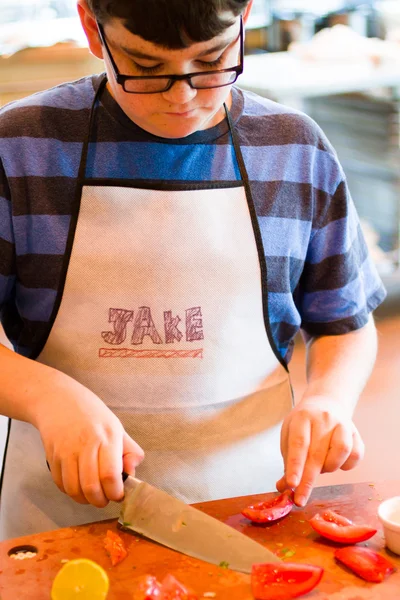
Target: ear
(89, 25)
(246, 12)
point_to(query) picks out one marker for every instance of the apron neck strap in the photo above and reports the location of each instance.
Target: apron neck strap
(85, 146)
(238, 152)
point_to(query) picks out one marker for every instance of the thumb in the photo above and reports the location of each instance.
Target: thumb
(132, 454)
(281, 485)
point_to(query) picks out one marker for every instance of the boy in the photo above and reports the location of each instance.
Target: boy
(164, 236)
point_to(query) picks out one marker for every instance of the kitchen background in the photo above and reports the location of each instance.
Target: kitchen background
(337, 60)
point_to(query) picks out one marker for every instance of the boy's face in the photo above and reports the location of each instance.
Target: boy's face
(181, 110)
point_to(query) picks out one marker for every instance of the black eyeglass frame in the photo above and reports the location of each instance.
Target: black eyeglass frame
(122, 79)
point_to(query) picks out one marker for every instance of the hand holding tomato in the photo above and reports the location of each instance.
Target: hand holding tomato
(318, 436)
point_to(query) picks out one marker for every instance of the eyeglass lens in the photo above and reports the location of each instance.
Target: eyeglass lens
(206, 80)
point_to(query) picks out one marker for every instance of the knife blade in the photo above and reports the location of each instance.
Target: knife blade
(166, 520)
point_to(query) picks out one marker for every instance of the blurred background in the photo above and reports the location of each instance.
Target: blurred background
(336, 60)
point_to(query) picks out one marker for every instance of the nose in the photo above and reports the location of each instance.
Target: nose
(180, 93)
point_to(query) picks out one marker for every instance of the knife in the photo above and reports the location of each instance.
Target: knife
(168, 521)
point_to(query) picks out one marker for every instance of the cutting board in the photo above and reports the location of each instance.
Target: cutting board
(32, 578)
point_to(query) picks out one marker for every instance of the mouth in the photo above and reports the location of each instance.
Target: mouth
(183, 114)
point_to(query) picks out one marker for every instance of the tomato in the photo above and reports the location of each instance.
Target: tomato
(366, 563)
(148, 588)
(275, 581)
(172, 589)
(271, 510)
(114, 547)
(339, 529)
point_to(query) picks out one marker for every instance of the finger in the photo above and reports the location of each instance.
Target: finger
(281, 485)
(284, 437)
(89, 476)
(132, 454)
(110, 469)
(357, 453)
(317, 452)
(55, 470)
(340, 446)
(70, 477)
(298, 442)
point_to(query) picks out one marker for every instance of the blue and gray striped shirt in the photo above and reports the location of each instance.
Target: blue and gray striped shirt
(320, 277)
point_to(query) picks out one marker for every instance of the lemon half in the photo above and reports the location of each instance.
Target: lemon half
(81, 579)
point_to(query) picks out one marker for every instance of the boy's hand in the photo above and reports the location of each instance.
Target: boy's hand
(318, 436)
(86, 446)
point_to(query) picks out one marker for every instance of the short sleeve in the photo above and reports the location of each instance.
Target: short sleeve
(7, 244)
(339, 285)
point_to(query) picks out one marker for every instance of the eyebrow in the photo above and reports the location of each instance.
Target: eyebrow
(137, 54)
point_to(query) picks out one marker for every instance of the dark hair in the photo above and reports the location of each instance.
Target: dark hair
(173, 24)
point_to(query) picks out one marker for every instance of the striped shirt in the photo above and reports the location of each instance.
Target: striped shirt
(320, 277)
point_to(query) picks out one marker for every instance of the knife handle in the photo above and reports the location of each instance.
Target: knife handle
(124, 475)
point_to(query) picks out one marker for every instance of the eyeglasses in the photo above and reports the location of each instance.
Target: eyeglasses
(154, 84)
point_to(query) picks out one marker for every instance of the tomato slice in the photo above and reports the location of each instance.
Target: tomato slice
(272, 581)
(172, 589)
(339, 529)
(271, 510)
(148, 588)
(114, 547)
(366, 563)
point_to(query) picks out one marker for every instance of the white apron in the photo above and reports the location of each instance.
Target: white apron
(164, 316)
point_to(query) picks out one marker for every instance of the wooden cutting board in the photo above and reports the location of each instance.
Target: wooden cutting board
(32, 578)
